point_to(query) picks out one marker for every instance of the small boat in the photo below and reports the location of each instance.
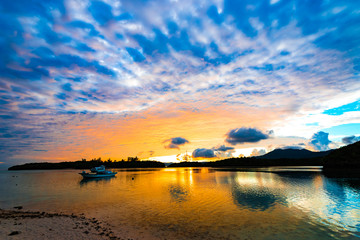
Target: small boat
(98, 172)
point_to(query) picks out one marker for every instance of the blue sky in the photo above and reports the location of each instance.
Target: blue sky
(114, 74)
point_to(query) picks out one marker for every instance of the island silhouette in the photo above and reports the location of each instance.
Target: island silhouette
(346, 158)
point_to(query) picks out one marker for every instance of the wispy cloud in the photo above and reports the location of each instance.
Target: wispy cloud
(272, 65)
(223, 148)
(350, 139)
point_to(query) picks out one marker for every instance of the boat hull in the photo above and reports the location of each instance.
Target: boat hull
(90, 175)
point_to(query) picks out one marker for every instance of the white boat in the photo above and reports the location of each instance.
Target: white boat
(98, 169)
(98, 172)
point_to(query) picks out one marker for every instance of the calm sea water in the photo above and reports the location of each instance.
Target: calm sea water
(198, 203)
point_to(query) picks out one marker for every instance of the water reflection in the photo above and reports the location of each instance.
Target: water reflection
(178, 193)
(298, 176)
(353, 183)
(254, 190)
(199, 203)
(252, 199)
(86, 181)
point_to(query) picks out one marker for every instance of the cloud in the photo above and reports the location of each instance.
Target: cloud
(76, 59)
(350, 139)
(223, 151)
(49, 35)
(70, 62)
(203, 153)
(223, 148)
(35, 8)
(246, 135)
(87, 27)
(298, 147)
(320, 141)
(257, 152)
(175, 142)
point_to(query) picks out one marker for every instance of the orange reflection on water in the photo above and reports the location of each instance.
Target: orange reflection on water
(198, 203)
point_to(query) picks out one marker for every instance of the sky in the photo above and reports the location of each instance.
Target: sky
(162, 79)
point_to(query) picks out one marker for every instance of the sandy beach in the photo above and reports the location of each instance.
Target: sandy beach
(21, 224)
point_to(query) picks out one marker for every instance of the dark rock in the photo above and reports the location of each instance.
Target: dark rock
(14, 233)
(18, 207)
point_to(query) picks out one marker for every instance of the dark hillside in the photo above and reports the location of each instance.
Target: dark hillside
(293, 154)
(347, 157)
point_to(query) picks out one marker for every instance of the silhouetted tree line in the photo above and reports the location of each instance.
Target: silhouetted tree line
(188, 164)
(132, 162)
(344, 159)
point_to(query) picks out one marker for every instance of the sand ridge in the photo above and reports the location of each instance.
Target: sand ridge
(19, 224)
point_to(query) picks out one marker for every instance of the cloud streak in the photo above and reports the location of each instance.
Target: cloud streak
(350, 139)
(223, 148)
(271, 63)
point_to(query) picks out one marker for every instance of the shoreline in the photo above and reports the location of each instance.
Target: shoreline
(21, 224)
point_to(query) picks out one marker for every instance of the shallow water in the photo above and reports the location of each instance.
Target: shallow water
(198, 203)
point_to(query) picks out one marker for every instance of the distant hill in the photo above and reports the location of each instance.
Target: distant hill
(347, 157)
(293, 154)
(278, 157)
(262, 162)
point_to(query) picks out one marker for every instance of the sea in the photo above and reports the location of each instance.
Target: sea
(198, 203)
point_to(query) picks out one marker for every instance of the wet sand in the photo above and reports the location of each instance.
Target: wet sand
(20, 224)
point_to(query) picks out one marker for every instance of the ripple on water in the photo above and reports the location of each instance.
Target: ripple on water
(200, 204)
